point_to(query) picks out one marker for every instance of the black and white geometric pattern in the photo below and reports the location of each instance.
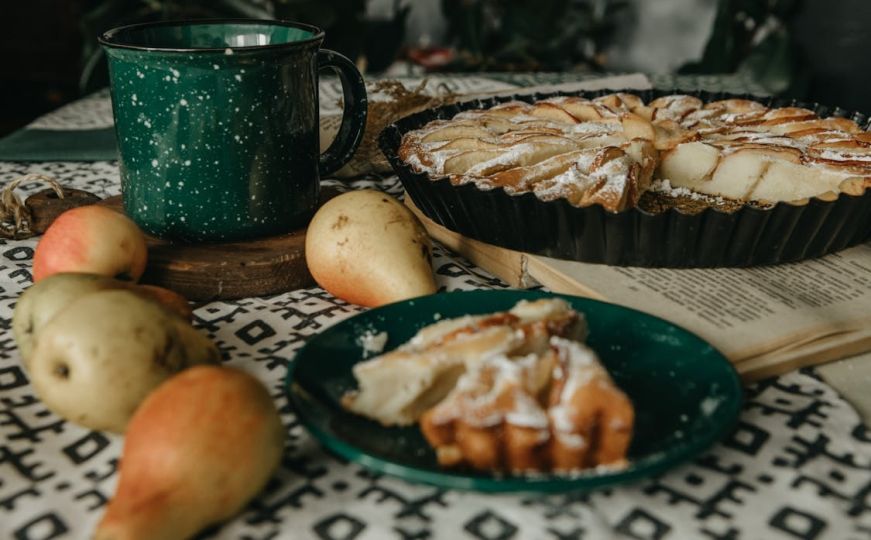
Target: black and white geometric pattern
(797, 467)
(91, 112)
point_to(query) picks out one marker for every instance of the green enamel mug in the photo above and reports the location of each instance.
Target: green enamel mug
(217, 125)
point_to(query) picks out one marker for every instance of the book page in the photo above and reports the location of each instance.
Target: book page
(743, 312)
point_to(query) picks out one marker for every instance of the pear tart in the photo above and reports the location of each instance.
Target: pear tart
(611, 149)
(513, 391)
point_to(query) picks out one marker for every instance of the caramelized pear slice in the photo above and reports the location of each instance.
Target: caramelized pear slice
(796, 129)
(469, 144)
(465, 130)
(622, 101)
(521, 178)
(487, 162)
(636, 127)
(669, 134)
(462, 163)
(553, 112)
(674, 107)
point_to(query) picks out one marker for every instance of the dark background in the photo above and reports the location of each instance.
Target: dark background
(811, 49)
(40, 49)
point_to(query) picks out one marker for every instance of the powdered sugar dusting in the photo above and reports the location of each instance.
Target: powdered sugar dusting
(513, 155)
(844, 155)
(664, 186)
(578, 366)
(481, 395)
(372, 342)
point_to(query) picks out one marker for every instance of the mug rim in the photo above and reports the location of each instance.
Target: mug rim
(109, 37)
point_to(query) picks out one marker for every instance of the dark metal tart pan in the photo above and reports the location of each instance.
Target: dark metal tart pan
(634, 237)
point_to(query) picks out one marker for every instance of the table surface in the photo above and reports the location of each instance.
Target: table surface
(797, 466)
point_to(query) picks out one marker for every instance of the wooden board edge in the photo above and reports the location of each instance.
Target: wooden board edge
(823, 351)
(509, 266)
(557, 281)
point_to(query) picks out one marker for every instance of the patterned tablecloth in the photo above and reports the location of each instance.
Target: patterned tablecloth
(797, 466)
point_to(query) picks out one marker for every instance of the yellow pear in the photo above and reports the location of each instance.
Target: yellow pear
(366, 248)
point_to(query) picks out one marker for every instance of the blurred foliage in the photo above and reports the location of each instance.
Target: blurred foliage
(519, 35)
(749, 37)
(343, 21)
(752, 37)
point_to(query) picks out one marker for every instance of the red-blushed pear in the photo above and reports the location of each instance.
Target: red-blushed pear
(196, 451)
(91, 239)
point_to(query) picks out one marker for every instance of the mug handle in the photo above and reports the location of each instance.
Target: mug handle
(355, 106)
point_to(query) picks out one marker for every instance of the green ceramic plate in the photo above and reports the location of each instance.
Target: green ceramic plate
(686, 394)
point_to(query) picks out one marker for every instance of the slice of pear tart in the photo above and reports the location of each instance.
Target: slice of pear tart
(395, 388)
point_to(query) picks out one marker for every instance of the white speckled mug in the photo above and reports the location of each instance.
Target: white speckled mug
(217, 125)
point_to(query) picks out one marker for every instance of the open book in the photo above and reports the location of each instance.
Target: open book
(766, 320)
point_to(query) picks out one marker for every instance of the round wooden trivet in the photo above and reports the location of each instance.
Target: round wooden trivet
(202, 272)
(46, 205)
(225, 271)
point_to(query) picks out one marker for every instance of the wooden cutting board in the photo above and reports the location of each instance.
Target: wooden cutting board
(523, 270)
(214, 271)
